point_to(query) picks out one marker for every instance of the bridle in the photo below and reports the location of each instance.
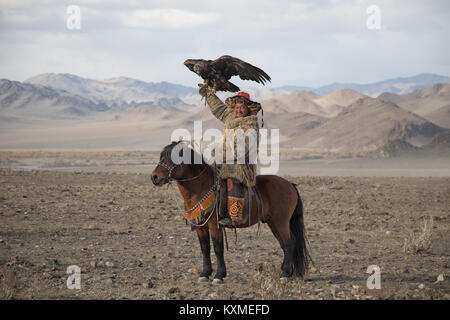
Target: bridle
(171, 168)
(168, 168)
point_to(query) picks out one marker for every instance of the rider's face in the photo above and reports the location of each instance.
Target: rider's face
(240, 110)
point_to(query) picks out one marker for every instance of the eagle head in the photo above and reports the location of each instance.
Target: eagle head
(198, 69)
(190, 63)
(195, 65)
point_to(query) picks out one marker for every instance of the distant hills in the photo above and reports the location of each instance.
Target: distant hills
(400, 85)
(128, 89)
(66, 99)
(23, 101)
(366, 125)
(119, 89)
(307, 101)
(432, 103)
(347, 121)
(387, 118)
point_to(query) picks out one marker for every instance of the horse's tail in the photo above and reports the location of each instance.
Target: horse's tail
(300, 254)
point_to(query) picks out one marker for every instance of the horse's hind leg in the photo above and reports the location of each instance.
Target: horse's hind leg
(203, 237)
(282, 233)
(217, 238)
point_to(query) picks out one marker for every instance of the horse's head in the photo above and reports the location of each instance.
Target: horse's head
(177, 162)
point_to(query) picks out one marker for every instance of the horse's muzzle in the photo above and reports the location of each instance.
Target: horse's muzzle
(158, 181)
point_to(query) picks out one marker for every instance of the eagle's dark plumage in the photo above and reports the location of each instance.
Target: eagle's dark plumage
(217, 73)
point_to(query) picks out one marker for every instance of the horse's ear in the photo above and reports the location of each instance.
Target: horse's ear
(196, 156)
(193, 157)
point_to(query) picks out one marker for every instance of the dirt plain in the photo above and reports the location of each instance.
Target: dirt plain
(130, 239)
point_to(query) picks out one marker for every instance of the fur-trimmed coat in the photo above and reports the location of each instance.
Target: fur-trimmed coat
(244, 173)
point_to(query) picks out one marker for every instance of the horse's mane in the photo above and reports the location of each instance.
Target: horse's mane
(166, 151)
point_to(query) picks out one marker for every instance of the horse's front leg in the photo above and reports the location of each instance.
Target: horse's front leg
(217, 238)
(203, 237)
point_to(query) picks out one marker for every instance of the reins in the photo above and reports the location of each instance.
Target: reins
(213, 189)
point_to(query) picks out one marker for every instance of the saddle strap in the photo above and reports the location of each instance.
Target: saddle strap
(250, 200)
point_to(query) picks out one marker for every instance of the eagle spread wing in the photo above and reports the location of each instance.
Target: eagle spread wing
(230, 66)
(218, 72)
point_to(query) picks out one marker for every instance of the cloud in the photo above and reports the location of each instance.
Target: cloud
(170, 19)
(308, 43)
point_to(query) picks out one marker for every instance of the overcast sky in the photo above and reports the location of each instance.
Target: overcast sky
(305, 43)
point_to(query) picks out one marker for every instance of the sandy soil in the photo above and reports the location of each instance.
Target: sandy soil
(290, 163)
(131, 242)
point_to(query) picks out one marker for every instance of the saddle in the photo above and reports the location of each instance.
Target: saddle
(236, 203)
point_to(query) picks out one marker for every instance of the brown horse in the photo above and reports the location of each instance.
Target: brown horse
(281, 207)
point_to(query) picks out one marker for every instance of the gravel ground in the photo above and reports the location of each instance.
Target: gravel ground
(130, 240)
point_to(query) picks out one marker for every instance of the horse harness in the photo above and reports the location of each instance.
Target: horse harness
(197, 213)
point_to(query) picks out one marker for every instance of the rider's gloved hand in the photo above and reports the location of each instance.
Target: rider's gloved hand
(204, 89)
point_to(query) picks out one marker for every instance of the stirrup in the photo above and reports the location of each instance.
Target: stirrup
(239, 223)
(226, 222)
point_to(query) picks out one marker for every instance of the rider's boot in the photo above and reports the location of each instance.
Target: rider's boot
(225, 219)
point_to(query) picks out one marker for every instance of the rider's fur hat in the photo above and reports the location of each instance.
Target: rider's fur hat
(244, 97)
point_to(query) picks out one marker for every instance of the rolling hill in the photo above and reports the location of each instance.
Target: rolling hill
(309, 102)
(401, 85)
(430, 103)
(365, 126)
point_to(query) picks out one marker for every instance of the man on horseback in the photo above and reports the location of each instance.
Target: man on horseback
(239, 115)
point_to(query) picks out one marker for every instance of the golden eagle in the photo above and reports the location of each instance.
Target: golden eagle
(216, 73)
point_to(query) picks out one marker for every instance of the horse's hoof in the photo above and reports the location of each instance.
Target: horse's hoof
(217, 281)
(284, 279)
(202, 279)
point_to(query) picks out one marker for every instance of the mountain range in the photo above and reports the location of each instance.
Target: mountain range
(384, 118)
(400, 85)
(120, 89)
(128, 89)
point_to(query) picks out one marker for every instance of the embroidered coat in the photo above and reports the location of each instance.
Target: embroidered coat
(244, 173)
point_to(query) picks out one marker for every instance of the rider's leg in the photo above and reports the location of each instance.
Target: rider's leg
(224, 218)
(236, 201)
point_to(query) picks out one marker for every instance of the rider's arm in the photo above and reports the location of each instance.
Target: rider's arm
(219, 109)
